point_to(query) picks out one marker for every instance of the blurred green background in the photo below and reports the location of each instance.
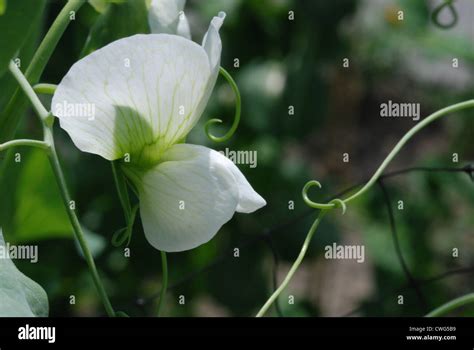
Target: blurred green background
(282, 63)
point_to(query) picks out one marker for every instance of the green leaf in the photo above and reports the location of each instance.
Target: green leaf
(20, 296)
(3, 6)
(15, 26)
(118, 21)
(32, 208)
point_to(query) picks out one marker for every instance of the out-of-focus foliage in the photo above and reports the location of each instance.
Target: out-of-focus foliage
(17, 19)
(35, 209)
(118, 20)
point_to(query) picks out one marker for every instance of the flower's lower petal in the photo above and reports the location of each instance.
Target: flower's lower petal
(249, 200)
(186, 199)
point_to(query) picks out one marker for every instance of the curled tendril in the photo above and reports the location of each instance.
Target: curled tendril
(125, 233)
(335, 203)
(448, 4)
(236, 121)
(339, 203)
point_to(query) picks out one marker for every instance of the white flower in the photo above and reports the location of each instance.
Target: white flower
(148, 91)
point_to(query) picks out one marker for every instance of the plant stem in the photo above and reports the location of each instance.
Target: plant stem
(295, 265)
(24, 142)
(238, 107)
(122, 191)
(47, 121)
(53, 158)
(45, 89)
(164, 287)
(28, 90)
(451, 305)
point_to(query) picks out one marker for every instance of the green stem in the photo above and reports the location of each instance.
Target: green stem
(164, 287)
(45, 89)
(24, 142)
(78, 233)
(28, 90)
(451, 305)
(295, 265)
(51, 39)
(47, 120)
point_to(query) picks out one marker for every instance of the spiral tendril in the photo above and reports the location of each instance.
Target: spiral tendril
(125, 233)
(238, 107)
(448, 4)
(339, 203)
(335, 203)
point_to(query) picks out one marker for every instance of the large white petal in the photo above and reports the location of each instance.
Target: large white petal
(186, 199)
(167, 16)
(146, 90)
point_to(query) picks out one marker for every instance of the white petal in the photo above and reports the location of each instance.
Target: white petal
(213, 46)
(186, 199)
(183, 26)
(249, 200)
(144, 90)
(167, 16)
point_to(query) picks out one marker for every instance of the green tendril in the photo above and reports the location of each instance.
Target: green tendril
(294, 267)
(238, 107)
(24, 142)
(125, 233)
(448, 4)
(452, 305)
(428, 120)
(164, 286)
(335, 203)
(342, 203)
(339, 203)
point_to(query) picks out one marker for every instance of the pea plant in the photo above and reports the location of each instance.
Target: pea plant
(133, 102)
